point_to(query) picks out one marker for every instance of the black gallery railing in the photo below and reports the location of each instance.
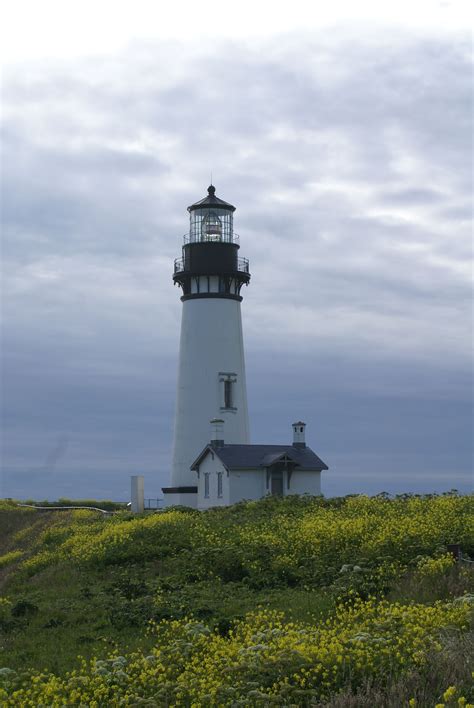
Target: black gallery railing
(242, 265)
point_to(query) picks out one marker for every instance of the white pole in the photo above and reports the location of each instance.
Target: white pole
(137, 497)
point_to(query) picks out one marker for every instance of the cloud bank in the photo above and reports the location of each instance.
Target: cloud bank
(348, 157)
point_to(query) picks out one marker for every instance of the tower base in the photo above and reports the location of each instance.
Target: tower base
(180, 496)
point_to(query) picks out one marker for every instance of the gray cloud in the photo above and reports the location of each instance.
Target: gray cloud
(346, 158)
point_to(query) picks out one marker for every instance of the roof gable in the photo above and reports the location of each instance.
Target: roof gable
(209, 449)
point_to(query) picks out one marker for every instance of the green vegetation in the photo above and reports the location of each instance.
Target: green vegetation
(296, 601)
(104, 504)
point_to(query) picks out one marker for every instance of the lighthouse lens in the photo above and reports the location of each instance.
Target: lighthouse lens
(211, 225)
(212, 228)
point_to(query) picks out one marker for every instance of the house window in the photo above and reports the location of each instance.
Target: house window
(219, 485)
(206, 485)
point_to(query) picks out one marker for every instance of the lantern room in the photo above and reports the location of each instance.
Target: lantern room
(211, 219)
(209, 266)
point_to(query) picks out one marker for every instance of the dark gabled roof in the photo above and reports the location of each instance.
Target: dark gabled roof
(253, 456)
(211, 201)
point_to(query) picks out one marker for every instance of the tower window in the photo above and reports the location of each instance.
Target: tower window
(228, 394)
(227, 391)
(219, 485)
(206, 485)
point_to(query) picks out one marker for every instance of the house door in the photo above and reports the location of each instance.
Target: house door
(277, 483)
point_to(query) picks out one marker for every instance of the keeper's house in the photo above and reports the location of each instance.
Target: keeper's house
(227, 474)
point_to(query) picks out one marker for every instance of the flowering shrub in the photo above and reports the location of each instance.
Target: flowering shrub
(10, 505)
(451, 697)
(9, 558)
(433, 567)
(262, 661)
(290, 541)
(309, 557)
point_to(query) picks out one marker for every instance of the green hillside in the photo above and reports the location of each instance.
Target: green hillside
(296, 601)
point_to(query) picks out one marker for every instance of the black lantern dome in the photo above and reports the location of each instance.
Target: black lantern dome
(211, 219)
(211, 201)
(210, 266)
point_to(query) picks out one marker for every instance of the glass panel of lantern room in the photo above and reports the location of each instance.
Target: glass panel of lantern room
(226, 220)
(211, 225)
(195, 225)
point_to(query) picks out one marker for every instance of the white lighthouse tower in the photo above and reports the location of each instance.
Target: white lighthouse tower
(211, 375)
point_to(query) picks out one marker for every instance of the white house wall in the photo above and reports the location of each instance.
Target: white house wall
(240, 485)
(304, 483)
(181, 499)
(246, 484)
(212, 467)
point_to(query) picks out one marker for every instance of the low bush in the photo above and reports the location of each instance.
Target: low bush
(278, 542)
(260, 661)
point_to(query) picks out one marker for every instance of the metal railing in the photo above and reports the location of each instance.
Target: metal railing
(154, 503)
(235, 238)
(68, 508)
(242, 265)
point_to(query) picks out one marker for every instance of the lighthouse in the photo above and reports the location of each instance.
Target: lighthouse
(211, 371)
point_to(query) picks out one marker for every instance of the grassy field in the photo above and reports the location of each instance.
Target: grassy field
(297, 601)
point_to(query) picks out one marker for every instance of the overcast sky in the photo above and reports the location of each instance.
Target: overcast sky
(345, 143)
